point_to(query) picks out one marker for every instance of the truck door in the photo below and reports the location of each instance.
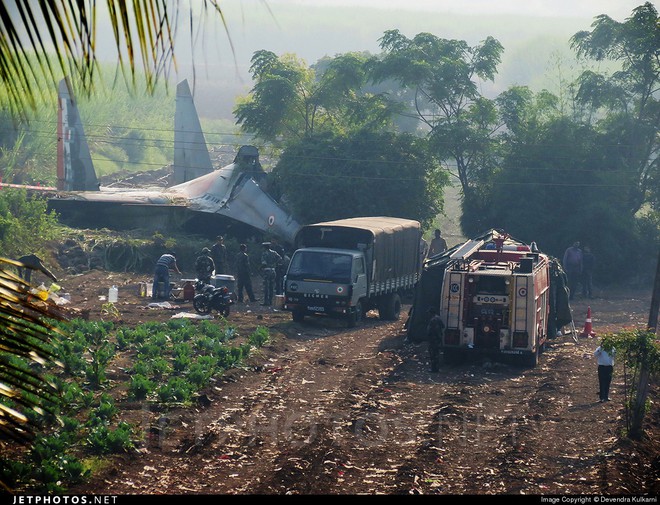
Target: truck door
(359, 279)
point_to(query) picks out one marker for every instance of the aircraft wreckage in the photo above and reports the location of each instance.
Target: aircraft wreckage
(203, 199)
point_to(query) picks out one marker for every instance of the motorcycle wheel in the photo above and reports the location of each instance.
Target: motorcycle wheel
(201, 304)
(225, 311)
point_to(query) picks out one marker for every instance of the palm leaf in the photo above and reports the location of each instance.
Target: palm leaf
(143, 30)
(27, 331)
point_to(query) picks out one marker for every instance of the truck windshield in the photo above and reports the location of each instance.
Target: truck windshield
(319, 265)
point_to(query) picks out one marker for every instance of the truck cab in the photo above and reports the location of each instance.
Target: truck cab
(326, 281)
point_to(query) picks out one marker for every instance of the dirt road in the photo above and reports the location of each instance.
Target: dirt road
(328, 410)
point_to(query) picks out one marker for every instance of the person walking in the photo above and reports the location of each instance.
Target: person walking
(588, 261)
(605, 361)
(164, 264)
(244, 275)
(219, 255)
(572, 263)
(204, 266)
(435, 331)
(269, 261)
(438, 244)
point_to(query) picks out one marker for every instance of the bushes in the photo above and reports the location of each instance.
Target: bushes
(25, 223)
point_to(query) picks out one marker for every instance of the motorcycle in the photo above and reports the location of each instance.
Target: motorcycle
(208, 297)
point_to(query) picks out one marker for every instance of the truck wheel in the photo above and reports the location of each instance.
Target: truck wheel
(298, 316)
(390, 309)
(356, 316)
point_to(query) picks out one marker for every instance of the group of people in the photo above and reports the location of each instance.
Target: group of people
(578, 263)
(214, 261)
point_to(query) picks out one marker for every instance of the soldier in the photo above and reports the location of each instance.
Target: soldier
(435, 331)
(269, 262)
(280, 269)
(244, 275)
(204, 266)
(219, 255)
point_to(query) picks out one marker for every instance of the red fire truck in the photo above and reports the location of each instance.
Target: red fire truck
(495, 296)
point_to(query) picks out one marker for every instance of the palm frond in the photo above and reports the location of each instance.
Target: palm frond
(143, 31)
(27, 332)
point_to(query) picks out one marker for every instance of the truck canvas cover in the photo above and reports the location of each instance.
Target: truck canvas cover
(390, 244)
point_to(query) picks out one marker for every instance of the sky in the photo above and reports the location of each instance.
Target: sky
(311, 29)
(617, 9)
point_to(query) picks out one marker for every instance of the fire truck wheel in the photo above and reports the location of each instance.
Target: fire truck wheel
(298, 316)
(533, 359)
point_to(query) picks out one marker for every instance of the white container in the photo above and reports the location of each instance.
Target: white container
(113, 294)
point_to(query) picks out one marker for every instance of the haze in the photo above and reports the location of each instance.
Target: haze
(534, 33)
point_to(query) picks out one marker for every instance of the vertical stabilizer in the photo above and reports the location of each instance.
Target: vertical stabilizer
(191, 156)
(75, 171)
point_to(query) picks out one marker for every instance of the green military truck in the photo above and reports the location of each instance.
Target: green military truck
(347, 267)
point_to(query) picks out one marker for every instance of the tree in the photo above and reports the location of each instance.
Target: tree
(555, 184)
(144, 33)
(291, 100)
(444, 73)
(628, 97)
(330, 176)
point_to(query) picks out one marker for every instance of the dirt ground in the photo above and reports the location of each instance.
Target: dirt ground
(324, 409)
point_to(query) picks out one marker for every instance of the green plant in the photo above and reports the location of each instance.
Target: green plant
(259, 337)
(106, 440)
(639, 350)
(176, 389)
(140, 387)
(106, 409)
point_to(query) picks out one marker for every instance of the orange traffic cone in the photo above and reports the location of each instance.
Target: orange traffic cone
(588, 331)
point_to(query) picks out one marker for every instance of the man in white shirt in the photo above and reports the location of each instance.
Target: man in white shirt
(605, 369)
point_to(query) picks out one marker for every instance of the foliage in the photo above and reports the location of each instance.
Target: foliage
(578, 194)
(259, 337)
(639, 350)
(627, 100)
(444, 74)
(366, 174)
(290, 101)
(25, 223)
(143, 35)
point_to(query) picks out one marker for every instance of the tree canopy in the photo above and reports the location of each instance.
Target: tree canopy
(331, 176)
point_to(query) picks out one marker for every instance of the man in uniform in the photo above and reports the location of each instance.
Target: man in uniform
(269, 262)
(244, 274)
(204, 266)
(219, 255)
